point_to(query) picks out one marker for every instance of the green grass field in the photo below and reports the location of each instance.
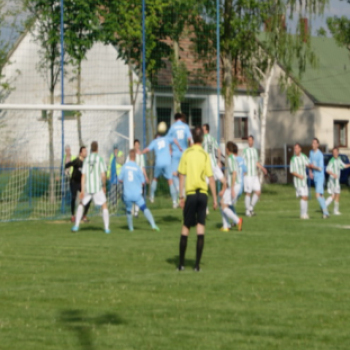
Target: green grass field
(282, 283)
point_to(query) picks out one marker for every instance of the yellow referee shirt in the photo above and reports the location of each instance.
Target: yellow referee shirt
(195, 164)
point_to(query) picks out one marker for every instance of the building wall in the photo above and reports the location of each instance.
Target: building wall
(325, 125)
(104, 82)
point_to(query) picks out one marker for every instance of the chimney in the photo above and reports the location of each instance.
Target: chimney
(304, 29)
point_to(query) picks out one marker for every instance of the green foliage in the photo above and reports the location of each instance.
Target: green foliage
(179, 81)
(340, 29)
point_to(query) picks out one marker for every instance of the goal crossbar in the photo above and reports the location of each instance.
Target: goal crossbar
(60, 107)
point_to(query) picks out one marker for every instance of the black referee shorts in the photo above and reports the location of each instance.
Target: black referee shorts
(195, 210)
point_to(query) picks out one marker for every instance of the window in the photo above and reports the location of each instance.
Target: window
(241, 128)
(164, 115)
(340, 134)
(196, 116)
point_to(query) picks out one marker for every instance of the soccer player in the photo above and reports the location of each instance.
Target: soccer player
(140, 161)
(298, 165)
(132, 178)
(181, 137)
(210, 145)
(251, 179)
(116, 161)
(242, 169)
(93, 186)
(161, 147)
(195, 166)
(334, 168)
(316, 173)
(232, 191)
(75, 181)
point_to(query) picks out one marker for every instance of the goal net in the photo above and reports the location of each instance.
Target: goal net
(37, 141)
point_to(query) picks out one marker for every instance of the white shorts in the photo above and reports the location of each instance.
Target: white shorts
(302, 191)
(227, 197)
(333, 189)
(99, 198)
(251, 184)
(218, 174)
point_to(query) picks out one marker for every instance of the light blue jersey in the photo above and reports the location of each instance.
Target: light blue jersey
(182, 133)
(161, 148)
(132, 177)
(316, 158)
(243, 169)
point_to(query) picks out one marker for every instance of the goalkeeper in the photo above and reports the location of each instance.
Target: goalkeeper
(75, 181)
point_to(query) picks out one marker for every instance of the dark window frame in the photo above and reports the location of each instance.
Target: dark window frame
(337, 124)
(238, 120)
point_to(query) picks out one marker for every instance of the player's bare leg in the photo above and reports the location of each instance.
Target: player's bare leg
(153, 189)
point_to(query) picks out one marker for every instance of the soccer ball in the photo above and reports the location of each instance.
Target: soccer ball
(162, 127)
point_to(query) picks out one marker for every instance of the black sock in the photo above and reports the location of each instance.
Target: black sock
(200, 246)
(86, 209)
(183, 246)
(72, 205)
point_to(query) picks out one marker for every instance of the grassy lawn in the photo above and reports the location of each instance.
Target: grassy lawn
(282, 283)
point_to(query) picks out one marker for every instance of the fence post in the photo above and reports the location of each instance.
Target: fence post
(30, 187)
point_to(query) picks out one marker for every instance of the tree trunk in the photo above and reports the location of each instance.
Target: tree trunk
(52, 194)
(176, 62)
(228, 96)
(268, 82)
(80, 136)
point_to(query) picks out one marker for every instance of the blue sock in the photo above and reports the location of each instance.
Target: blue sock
(233, 208)
(176, 182)
(322, 203)
(153, 188)
(129, 218)
(173, 193)
(149, 217)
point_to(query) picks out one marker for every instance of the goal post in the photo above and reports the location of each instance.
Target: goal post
(38, 139)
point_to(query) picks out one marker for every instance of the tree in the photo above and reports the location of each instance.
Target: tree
(293, 52)
(45, 28)
(240, 24)
(8, 24)
(81, 32)
(340, 29)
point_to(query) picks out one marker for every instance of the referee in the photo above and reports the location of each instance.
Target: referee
(195, 165)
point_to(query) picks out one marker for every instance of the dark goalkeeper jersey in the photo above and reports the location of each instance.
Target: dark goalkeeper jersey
(77, 165)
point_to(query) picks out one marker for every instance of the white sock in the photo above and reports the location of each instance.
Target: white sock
(303, 207)
(106, 218)
(336, 206)
(254, 200)
(231, 215)
(247, 202)
(225, 223)
(329, 201)
(79, 215)
(136, 210)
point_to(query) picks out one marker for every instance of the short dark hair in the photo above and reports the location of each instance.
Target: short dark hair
(229, 146)
(94, 146)
(81, 149)
(316, 139)
(298, 144)
(235, 149)
(178, 116)
(136, 141)
(207, 127)
(197, 134)
(251, 137)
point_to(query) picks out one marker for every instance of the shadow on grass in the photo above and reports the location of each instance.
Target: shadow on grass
(176, 259)
(171, 218)
(88, 228)
(82, 325)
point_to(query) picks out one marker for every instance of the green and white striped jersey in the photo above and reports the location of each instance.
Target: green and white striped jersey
(298, 165)
(251, 157)
(93, 167)
(335, 165)
(233, 166)
(210, 145)
(140, 160)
